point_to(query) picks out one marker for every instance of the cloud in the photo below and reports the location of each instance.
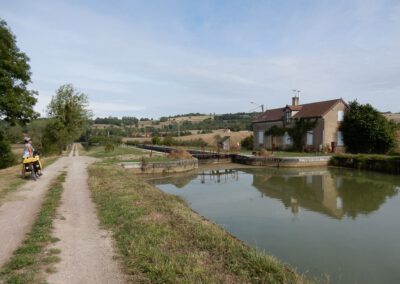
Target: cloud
(133, 59)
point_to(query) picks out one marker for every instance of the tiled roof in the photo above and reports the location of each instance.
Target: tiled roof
(317, 109)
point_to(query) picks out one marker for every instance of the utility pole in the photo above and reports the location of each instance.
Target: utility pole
(262, 106)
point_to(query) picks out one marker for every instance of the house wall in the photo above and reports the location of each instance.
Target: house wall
(264, 126)
(331, 126)
(318, 136)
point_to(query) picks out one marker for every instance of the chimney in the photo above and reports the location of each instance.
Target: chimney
(295, 101)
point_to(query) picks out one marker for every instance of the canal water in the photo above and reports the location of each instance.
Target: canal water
(336, 224)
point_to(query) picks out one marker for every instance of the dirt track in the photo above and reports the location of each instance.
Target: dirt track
(18, 215)
(86, 251)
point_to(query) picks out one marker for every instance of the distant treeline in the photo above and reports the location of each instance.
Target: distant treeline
(234, 121)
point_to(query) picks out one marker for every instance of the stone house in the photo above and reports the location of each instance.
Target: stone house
(325, 135)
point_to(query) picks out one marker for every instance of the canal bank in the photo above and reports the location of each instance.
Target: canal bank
(376, 163)
(337, 224)
(160, 239)
(206, 157)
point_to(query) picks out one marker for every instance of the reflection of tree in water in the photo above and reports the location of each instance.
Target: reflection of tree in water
(363, 195)
(335, 193)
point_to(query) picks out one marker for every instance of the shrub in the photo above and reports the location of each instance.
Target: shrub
(179, 154)
(247, 143)
(109, 147)
(7, 157)
(365, 130)
(156, 140)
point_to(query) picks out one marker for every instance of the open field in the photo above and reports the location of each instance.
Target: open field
(208, 137)
(236, 137)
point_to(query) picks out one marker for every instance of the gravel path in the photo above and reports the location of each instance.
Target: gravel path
(19, 212)
(86, 250)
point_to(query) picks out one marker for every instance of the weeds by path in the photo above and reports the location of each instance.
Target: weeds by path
(32, 257)
(162, 241)
(10, 178)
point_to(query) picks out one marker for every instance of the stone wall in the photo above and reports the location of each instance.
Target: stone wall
(286, 162)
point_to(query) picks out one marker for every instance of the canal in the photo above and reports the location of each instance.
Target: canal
(335, 224)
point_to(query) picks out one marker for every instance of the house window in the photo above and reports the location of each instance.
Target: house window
(288, 116)
(287, 139)
(339, 138)
(310, 137)
(340, 115)
(261, 137)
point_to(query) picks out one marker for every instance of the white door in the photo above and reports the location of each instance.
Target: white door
(261, 137)
(310, 138)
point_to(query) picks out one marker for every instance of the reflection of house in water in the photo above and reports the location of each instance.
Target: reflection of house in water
(311, 190)
(219, 176)
(334, 193)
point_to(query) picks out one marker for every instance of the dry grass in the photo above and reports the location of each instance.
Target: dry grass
(10, 178)
(210, 140)
(179, 154)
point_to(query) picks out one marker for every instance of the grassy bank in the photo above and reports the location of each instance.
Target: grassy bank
(378, 163)
(162, 241)
(98, 152)
(10, 178)
(32, 256)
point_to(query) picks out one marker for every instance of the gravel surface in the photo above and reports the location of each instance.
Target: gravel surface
(86, 250)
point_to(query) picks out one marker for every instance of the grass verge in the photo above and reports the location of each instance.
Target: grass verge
(32, 256)
(161, 240)
(98, 152)
(10, 178)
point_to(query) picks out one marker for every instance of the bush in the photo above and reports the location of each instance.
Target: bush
(365, 130)
(109, 147)
(180, 154)
(7, 157)
(156, 140)
(247, 143)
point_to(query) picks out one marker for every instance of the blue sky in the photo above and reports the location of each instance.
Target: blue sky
(155, 58)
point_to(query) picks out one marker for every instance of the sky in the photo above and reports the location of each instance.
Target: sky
(158, 58)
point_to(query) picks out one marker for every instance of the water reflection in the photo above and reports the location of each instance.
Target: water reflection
(340, 223)
(332, 192)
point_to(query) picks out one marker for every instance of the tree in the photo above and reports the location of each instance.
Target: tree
(365, 130)
(298, 131)
(69, 114)
(247, 143)
(7, 158)
(16, 101)
(275, 131)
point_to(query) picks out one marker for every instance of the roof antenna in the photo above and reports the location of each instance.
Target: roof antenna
(296, 93)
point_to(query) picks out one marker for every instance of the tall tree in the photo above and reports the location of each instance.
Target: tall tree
(365, 130)
(16, 101)
(69, 114)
